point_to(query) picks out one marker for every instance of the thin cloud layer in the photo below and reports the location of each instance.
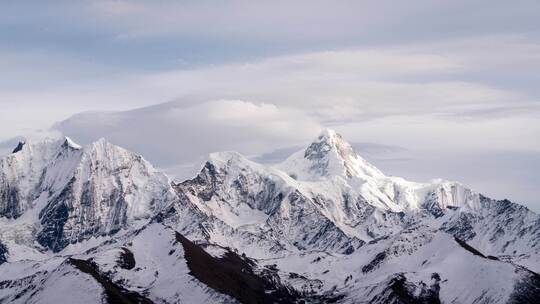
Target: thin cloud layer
(174, 134)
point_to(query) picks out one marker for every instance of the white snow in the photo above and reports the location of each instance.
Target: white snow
(300, 215)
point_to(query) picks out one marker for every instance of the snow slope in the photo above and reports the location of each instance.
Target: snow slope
(60, 193)
(326, 197)
(100, 223)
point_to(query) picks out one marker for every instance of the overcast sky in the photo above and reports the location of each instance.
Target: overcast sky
(424, 89)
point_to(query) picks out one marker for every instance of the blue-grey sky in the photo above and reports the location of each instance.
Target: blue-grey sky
(454, 84)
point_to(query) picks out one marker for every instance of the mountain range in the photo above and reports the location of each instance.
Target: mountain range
(99, 224)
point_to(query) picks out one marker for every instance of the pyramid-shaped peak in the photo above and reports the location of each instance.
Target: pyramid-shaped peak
(103, 144)
(329, 155)
(224, 157)
(69, 143)
(329, 141)
(331, 137)
(328, 133)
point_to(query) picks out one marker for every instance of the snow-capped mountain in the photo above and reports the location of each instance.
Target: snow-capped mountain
(57, 192)
(331, 189)
(323, 226)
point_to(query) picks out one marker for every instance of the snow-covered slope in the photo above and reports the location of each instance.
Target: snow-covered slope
(323, 226)
(147, 266)
(58, 193)
(326, 197)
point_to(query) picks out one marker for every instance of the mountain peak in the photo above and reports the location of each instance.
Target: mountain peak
(329, 155)
(221, 158)
(103, 145)
(69, 143)
(328, 133)
(231, 160)
(327, 142)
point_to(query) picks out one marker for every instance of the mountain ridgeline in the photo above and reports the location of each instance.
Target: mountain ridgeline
(99, 223)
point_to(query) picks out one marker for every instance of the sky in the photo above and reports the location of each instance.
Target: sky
(423, 89)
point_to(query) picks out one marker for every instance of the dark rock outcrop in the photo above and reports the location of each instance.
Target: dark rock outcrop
(114, 293)
(234, 276)
(3, 253)
(401, 291)
(19, 147)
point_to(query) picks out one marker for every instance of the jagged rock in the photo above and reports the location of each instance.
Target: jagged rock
(3, 253)
(324, 226)
(19, 147)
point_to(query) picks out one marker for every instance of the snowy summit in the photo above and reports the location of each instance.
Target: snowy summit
(323, 226)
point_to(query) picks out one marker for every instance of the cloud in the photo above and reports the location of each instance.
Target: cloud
(351, 86)
(174, 133)
(313, 22)
(494, 157)
(266, 18)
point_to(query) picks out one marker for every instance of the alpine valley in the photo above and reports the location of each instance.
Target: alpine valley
(99, 224)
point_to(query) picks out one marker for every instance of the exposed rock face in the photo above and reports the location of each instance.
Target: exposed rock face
(113, 292)
(235, 276)
(329, 155)
(80, 192)
(19, 147)
(328, 198)
(399, 290)
(527, 288)
(261, 201)
(3, 253)
(324, 226)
